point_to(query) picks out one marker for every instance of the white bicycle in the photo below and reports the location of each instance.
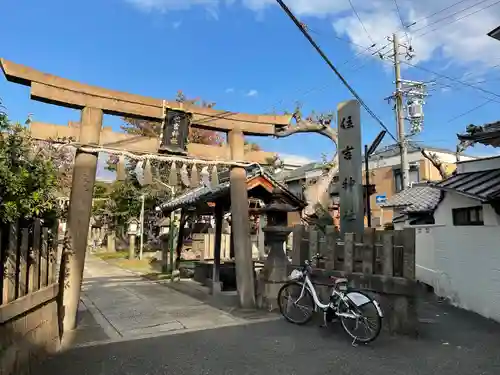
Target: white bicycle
(352, 307)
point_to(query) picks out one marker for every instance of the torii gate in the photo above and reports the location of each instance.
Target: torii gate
(95, 101)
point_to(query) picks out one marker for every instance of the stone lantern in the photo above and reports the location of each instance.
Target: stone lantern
(133, 225)
(276, 232)
(164, 225)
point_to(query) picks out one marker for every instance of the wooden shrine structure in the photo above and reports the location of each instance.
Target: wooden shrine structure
(216, 201)
(94, 102)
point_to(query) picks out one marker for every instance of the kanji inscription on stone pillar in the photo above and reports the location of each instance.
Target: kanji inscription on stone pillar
(350, 165)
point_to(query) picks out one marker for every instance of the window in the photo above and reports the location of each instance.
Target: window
(468, 216)
(398, 178)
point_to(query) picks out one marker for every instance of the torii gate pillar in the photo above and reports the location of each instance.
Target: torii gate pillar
(239, 223)
(80, 210)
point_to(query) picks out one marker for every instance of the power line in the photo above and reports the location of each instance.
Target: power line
(450, 15)
(401, 19)
(361, 22)
(456, 80)
(457, 19)
(437, 12)
(303, 93)
(453, 79)
(329, 63)
(470, 110)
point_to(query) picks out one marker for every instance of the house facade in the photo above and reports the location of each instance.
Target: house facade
(458, 255)
(385, 175)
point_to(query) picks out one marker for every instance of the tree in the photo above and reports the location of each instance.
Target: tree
(317, 194)
(153, 128)
(29, 184)
(123, 199)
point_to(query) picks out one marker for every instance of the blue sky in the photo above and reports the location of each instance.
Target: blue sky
(246, 55)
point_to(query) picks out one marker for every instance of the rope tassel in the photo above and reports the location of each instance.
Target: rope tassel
(121, 175)
(205, 176)
(147, 174)
(172, 177)
(215, 176)
(195, 179)
(185, 176)
(139, 172)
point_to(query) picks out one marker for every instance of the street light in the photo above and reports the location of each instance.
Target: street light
(495, 33)
(368, 152)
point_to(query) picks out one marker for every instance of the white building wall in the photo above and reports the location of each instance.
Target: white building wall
(480, 165)
(462, 264)
(443, 214)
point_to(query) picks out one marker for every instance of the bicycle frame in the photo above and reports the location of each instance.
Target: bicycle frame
(309, 285)
(358, 301)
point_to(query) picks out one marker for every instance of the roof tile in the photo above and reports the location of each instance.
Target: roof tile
(418, 198)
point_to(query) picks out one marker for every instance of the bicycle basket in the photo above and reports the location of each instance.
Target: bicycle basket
(296, 274)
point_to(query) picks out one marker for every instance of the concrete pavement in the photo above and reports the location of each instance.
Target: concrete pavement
(127, 307)
(456, 344)
(452, 341)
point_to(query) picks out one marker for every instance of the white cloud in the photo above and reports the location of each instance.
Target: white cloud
(464, 41)
(252, 93)
(229, 90)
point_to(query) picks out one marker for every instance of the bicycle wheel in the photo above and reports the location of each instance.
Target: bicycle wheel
(290, 304)
(366, 326)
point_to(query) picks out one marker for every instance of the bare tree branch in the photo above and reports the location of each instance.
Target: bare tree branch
(312, 124)
(436, 162)
(316, 194)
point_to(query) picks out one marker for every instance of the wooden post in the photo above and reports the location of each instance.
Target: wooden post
(80, 208)
(261, 241)
(180, 238)
(239, 223)
(23, 263)
(219, 213)
(34, 271)
(9, 276)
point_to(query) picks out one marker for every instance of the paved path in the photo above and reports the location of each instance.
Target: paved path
(453, 342)
(454, 345)
(127, 306)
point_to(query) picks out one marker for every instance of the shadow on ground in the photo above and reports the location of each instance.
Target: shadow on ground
(452, 342)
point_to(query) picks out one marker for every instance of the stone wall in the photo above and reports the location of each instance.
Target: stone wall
(29, 331)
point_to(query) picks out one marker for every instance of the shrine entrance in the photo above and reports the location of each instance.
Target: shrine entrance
(91, 138)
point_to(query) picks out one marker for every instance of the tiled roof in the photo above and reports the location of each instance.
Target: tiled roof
(418, 198)
(488, 134)
(482, 185)
(208, 193)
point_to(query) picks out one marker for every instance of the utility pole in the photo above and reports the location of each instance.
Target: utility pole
(400, 116)
(409, 98)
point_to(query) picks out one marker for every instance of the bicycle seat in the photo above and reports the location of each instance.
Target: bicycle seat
(338, 280)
